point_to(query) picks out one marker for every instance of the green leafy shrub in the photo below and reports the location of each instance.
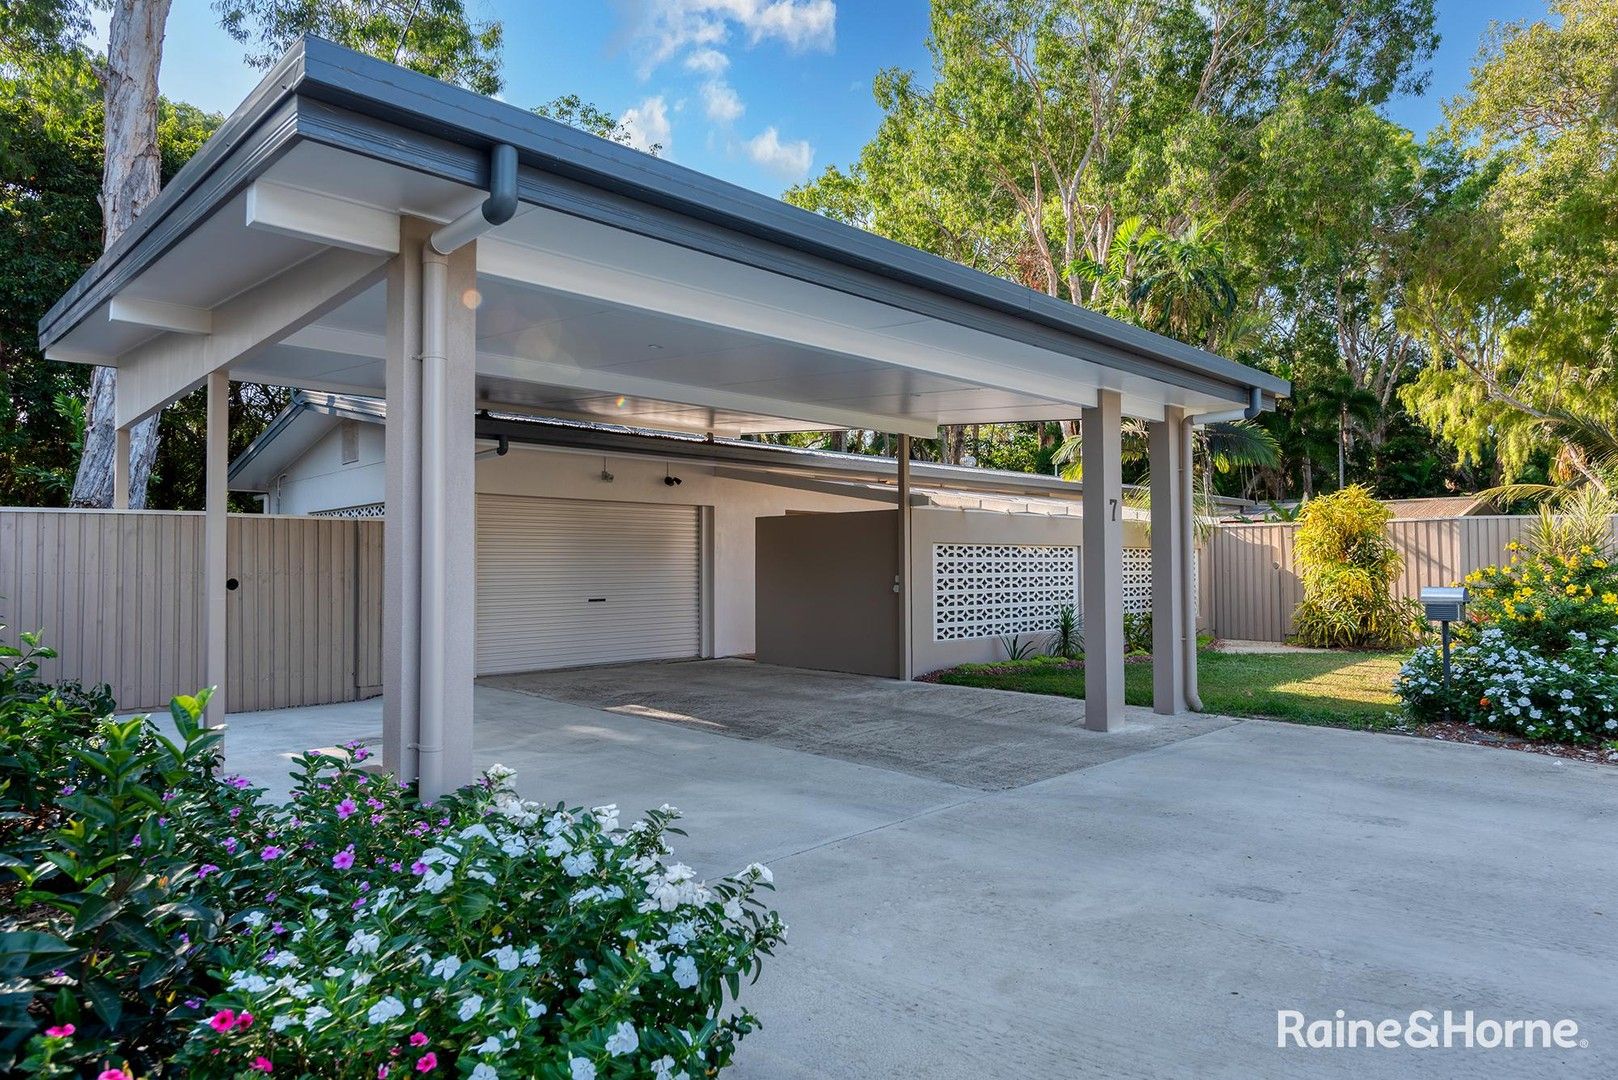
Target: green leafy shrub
(1538, 655)
(1348, 565)
(170, 922)
(1137, 633)
(1067, 640)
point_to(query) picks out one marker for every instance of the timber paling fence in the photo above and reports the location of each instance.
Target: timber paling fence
(1254, 567)
(118, 594)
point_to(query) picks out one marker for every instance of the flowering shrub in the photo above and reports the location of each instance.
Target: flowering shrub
(355, 931)
(1538, 656)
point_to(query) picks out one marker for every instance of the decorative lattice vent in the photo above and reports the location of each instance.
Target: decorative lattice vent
(369, 510)
(996, 590)
(1138, 580)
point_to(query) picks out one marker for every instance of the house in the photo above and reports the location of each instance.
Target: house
(357, 228)
(644, 545)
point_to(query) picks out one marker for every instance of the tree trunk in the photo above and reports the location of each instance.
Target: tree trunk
(131, 178)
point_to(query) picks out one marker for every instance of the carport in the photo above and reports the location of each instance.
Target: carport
(357, 228)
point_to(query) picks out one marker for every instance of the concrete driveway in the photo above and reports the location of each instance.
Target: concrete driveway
(1142, 911)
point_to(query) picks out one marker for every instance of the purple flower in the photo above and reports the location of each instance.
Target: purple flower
(277, 928)
(135, 842)
(237, 782)
(270, 853)
(168, 796)
(162, 822)
(205, 869)
(396, 867)
(230, 845)
(343, 859)
(361, 754)
(418, 868)
(376, 819)
(375, 803)
(68, 789)
(345, 809)
(235, 812)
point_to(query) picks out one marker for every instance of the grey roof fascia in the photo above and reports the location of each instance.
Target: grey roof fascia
(418, 122)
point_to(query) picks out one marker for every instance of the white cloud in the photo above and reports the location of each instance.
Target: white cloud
(790, 161)
(663, 29)
(721, 102)
(648, 125)
(801, 24)
(707, 62)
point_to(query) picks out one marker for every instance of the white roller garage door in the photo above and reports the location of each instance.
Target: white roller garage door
(564, 583)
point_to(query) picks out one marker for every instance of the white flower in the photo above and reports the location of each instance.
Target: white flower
(469, 1007)
(285, 959)
(364, 943)
(491, 1045)
(505, 958)
(250, 981)
(255, 919)
(483, 1071)
(533, 1008)
(579, 863)
(282, 1022)
(435, 881)
(479, 830)
(319, 914)
(499, 774)
(315, 1015)
(759, 872)
(587, 984)
(654, 959)
(663, 1068)
(530, 956)
(314, 890)
(623, 1040)
(685, 973)
(581, 1069)
(733, 909)
(606, 816)
(447, 967)
(385, 1010)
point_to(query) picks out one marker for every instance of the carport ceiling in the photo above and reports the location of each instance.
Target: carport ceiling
(625, 289)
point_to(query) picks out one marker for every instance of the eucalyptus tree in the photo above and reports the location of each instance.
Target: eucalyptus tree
(433, 36)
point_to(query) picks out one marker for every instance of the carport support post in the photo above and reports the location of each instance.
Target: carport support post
(401, 526)
(1168, 563)
(1103, 571)
(906, 646)
(120, 469)
(216, 465)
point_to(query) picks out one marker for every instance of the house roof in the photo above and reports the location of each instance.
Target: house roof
(310, 415)
(1439, 508)
(626, 286)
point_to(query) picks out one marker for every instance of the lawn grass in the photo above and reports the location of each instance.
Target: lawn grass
(1336, 689)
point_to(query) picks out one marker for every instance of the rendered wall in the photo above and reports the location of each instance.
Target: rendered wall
(321, 481)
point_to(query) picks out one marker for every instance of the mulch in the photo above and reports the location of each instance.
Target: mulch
(1455, 731)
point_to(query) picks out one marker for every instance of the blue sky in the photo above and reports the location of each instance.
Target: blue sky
(760, 92)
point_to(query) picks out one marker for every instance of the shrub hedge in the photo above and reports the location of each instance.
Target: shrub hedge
(167, 921)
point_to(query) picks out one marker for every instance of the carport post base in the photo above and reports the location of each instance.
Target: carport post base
(1103, 570)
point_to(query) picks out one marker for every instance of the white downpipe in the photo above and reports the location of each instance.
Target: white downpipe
(434, 346)
(1188, 562)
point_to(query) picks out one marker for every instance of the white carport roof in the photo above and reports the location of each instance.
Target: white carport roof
(626, 289)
